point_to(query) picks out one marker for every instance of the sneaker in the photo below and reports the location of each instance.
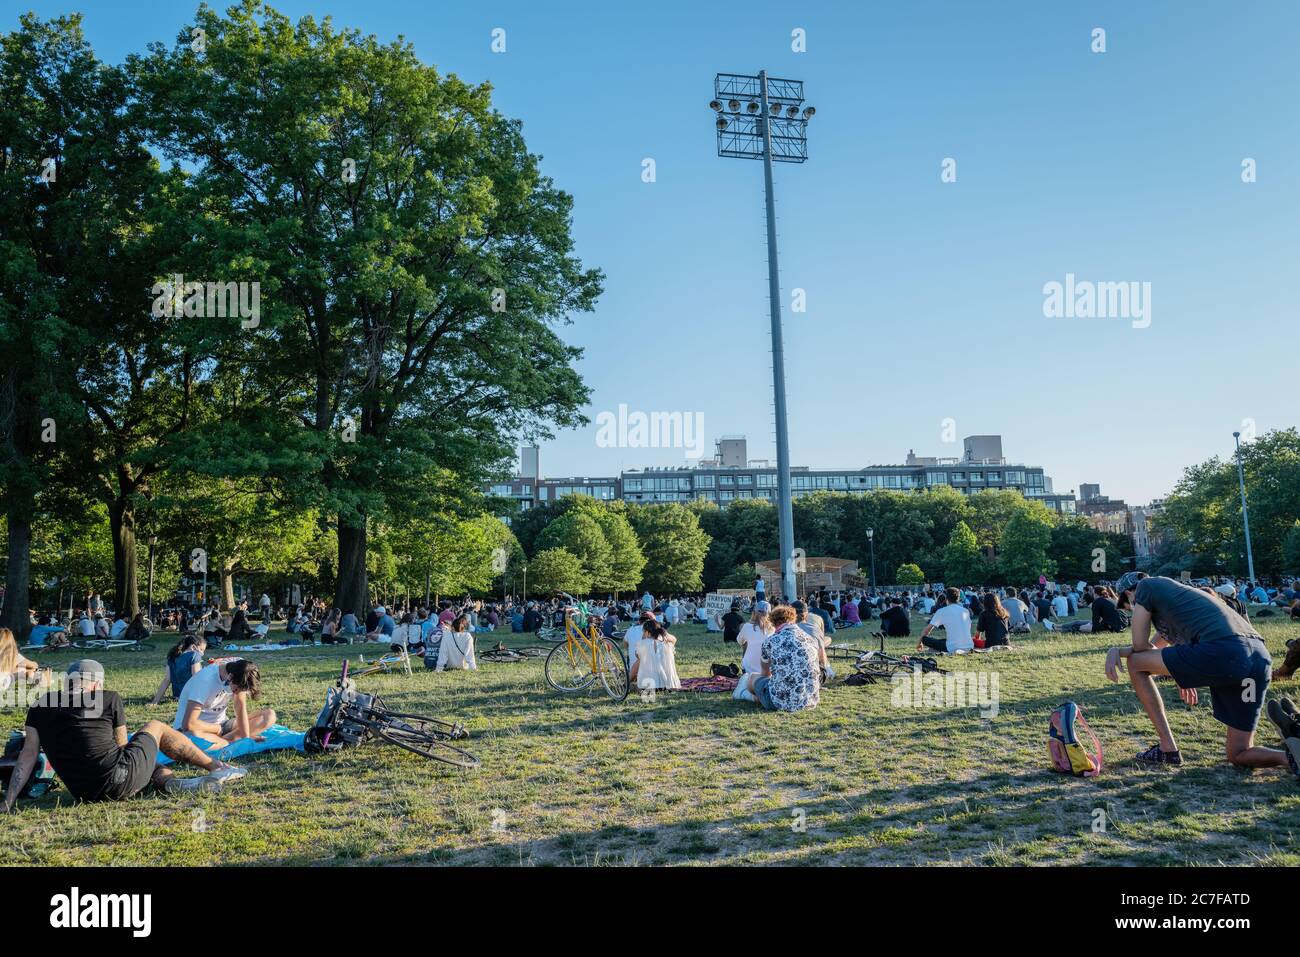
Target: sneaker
(1153, 755)
(1292, 748)
(219, 777)
(1049, 626)
(1289, 707)
(1287, 725)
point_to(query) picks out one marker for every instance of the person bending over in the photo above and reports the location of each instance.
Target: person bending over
(1200, 643)
(201, 709)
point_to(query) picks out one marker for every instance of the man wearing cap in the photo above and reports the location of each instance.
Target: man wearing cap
(82, 729)
(1201, 643)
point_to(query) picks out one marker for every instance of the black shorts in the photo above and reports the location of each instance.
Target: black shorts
(1237, 671)
(134, 768)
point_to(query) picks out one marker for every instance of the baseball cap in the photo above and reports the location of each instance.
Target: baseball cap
(84, 670)
(762, 606)
(1225, 589)
(1128, 580)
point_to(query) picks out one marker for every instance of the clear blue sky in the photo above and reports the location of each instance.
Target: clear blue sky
(924, 298)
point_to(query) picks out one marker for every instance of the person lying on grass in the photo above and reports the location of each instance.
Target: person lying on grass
(201, 709)
(82, 729)
(954, 619)
(1201, 643)
(791, 676)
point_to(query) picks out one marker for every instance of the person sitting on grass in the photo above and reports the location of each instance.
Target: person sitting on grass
(1200, 643)
(184, 661)
(752, 636)
(82, 729)
(457, 648)
(895, 621)
(13, 665)
(655, 668)
(994, 622)
(790, 679)
(954, 619)
(201, 708)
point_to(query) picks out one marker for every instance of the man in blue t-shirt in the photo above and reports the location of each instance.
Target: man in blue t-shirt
(1200, 642)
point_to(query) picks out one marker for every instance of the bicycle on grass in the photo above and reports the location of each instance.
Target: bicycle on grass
(351, 717)
(585, 656)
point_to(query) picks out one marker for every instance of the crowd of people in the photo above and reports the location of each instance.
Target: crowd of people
(1198, 634)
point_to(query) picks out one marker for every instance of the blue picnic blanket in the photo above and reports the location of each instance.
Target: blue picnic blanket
(278, 737)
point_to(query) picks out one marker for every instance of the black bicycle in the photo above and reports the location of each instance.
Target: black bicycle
(501, 653)
(876, 663)
(351, 718)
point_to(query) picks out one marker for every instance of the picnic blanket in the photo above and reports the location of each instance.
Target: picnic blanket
(277, 737)
(715, 683)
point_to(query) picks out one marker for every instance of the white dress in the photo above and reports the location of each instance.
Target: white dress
(657, 664)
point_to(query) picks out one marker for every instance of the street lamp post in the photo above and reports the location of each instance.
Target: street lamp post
(759, 117)
(1245, 515)
(525, 597)
(153, 540)
(871, 541)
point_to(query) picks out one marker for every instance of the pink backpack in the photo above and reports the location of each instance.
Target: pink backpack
(1068, 755)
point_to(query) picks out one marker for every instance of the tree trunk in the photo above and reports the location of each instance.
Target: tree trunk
(126, 592)
(226, 576)
(353, 586)
(14, 615)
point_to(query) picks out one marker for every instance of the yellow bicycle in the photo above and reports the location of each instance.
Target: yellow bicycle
(585, 656)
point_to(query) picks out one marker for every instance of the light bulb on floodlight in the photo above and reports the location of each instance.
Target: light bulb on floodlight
(792, 111)
(733, 105)
(808, 113)
(775, 109)
(753, 107)
(715, 105)
(722, 123)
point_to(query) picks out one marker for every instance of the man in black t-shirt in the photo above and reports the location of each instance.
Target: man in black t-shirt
(1200, 642)
(1105, 616)
(82, 729)
(895, 622)
(732, 622)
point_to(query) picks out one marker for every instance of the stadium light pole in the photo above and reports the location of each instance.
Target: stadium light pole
(1245, 515)
(871, 540)
(762, 117)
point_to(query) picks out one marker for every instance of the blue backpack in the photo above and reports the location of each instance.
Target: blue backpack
(42, 779)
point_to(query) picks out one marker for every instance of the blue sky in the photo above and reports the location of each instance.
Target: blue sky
(924, 299)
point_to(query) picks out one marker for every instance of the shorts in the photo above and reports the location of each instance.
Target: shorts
(763, 693)
(134, 768)
(1236, 670)
(227, 727)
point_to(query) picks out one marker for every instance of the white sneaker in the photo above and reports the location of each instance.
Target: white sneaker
(218, 778)
(1049, 626)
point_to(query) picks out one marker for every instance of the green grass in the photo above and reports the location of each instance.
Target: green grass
(696, 778)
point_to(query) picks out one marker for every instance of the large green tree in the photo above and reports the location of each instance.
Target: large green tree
(674, 546)
(418, 260)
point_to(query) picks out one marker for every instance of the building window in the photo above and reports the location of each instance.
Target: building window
(632, 485)
(745, 480)
(1015, 478)
(767, 480)
(936, 478)
(704, 481)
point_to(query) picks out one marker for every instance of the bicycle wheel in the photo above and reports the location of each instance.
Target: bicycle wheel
(550, 634)
(424, 744)
(613, 669)
(568, 668)
(505, 654)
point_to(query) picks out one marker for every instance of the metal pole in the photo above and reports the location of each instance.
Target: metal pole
(525, 596)
(785, 511)
(150, 599)
(1245, 515)
(872, 542)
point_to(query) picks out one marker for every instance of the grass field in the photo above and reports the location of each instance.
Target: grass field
(697, 778)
